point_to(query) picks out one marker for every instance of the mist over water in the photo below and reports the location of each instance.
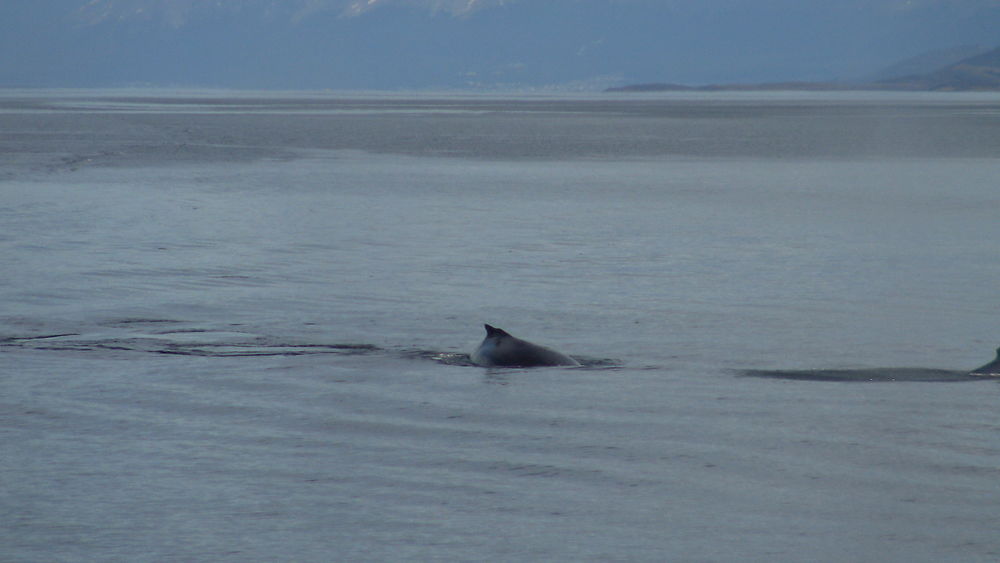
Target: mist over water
(235, 326)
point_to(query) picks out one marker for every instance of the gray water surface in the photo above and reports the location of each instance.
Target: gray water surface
(235, 327)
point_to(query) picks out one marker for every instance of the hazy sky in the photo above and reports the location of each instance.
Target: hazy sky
(471, 43)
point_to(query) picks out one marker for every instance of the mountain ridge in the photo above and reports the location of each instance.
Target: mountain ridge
(976, 73)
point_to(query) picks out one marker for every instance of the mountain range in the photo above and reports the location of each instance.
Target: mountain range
(979, 72)
(932, 71)
(478, 44)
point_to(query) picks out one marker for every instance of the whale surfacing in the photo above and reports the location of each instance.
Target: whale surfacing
(500, 349)
(992, 368)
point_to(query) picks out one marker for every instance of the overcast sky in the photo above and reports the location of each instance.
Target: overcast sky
(471, 43)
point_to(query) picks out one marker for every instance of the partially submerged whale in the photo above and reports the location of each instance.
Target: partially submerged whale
(500, 349)
(992, 368)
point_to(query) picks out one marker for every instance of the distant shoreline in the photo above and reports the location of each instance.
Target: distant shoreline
(979, 73)
(801, 87)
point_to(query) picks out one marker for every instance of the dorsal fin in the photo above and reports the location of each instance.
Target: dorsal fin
(494, 331)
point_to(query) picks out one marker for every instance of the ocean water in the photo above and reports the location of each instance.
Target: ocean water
(236, 326)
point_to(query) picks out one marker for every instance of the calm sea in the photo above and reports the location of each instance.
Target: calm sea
(235, 326)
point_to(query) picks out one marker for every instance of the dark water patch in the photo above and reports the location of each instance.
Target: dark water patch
(204, 347)
(228, 350)
(866, 375)
(39, 337)
(599, 363)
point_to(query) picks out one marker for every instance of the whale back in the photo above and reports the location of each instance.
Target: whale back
(992, 368)
(501, 349)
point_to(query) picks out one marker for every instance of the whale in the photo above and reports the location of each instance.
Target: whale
(500, 349)
(992, 368)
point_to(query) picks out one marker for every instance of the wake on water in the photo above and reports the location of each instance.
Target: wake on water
(169, 339)
(866, 375)
(228, 344)
(990, 370)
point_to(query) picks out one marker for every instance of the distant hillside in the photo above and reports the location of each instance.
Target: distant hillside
(981, 72)
(927, 62)
(978, 72)
(763, 86)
